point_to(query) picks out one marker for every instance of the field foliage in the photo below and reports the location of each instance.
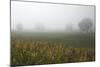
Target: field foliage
(51, 48)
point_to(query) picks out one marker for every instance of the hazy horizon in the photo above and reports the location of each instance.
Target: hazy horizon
(50, 17)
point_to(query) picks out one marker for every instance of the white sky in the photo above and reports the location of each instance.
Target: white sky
(51, 16)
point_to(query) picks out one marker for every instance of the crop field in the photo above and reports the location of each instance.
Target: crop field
(51, 48)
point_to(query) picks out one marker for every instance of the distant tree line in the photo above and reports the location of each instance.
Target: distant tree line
(85, 25)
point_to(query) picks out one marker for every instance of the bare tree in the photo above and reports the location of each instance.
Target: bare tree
(86, 24)
(19, 27)
(69, 27)
(40, 28)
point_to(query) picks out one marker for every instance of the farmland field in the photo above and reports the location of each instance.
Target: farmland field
(28, 48)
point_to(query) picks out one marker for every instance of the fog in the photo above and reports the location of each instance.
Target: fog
(34, 16)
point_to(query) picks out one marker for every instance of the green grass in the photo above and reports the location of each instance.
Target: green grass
(51, 48)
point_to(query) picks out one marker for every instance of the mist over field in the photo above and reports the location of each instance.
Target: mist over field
(47, 17)
(44, 33)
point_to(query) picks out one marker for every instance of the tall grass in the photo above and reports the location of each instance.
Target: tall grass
(33, 52)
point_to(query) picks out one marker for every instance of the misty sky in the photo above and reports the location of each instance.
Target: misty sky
(50, 16)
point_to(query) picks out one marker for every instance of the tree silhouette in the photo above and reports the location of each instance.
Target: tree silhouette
(40, 27)
(69, 27)
(86, 24)
(19, 27)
